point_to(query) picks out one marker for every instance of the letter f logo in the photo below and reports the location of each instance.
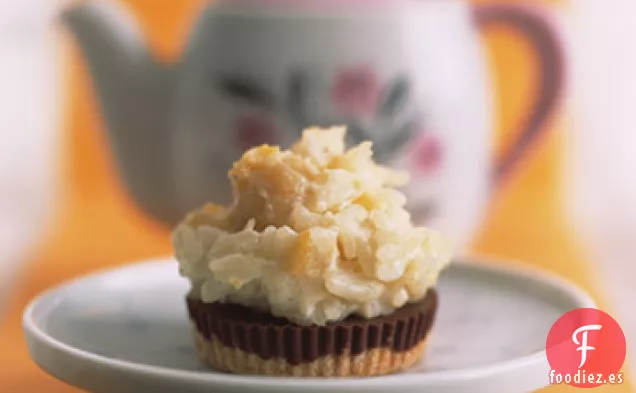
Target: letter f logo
(584, 348)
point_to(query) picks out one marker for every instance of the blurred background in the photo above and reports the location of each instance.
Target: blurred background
(570, 206)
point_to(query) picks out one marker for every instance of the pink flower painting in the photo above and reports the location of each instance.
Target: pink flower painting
(426, 154)
(254, 130)
(356, 91)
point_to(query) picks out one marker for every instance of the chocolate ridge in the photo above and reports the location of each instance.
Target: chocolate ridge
(271, 337)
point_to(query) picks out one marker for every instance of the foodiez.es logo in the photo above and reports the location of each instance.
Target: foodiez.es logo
(586, 348)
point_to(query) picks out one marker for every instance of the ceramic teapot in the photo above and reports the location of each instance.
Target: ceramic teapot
(409, 75)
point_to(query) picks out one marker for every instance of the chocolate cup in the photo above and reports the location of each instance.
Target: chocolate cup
(270, 338)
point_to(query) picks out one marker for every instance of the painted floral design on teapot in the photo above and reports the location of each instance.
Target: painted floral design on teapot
(372, 110)
(381, 112)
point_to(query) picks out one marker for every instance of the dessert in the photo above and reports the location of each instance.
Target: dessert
(315, 268)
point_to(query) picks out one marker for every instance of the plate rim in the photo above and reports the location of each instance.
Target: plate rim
(498, 266)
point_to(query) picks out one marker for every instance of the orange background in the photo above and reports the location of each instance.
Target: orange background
(97, 226)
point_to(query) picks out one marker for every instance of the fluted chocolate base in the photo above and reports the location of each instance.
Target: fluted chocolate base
(240, 340)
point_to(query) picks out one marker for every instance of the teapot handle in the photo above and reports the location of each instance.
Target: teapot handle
(533, 25)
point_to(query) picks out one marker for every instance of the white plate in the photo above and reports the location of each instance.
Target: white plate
(127, 330)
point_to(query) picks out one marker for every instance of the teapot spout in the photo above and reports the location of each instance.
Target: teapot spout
(135, 94)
